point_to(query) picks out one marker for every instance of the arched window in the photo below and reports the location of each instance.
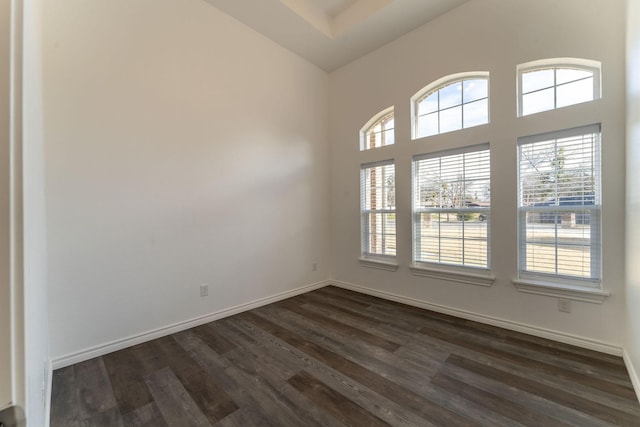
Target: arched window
(553, 83)
(454, 102)
(378, 131)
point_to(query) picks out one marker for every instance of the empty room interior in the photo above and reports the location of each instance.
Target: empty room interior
(320, 212)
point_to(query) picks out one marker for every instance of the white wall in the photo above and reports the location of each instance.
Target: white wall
(494, 36)
(633, 192)
(182, 149)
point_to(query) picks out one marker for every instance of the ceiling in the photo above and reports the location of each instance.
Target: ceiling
(332, 33)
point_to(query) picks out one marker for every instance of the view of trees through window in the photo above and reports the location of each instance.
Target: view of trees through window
(451, 208)
(560, 205)
(559, 200)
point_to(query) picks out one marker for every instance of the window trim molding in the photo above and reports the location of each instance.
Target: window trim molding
(378, 263)
(437, 85)
(455, 274)
(573, 292)
(567, 62)
(389, 111)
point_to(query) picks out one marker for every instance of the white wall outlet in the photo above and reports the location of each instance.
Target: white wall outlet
(204, 290)
(314, 266)
(564, 305)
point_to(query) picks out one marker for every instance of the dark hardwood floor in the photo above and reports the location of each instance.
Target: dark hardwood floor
(333, 357)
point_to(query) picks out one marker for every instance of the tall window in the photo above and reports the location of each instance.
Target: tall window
(559, 205)
(379, 131)
(455, 102)
(378, 209)
(554, 83)
(451, 207)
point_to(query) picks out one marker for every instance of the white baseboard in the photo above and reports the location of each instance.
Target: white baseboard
(493, 321)
(106, 348)
(633, 374)
(116, 345)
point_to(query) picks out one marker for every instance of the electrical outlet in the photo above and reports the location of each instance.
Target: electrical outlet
(204, 290)
(564, 305)
(314, 266)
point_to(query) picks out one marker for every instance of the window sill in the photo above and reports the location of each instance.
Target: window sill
(453, 276)
(378, 264)
(576, 293)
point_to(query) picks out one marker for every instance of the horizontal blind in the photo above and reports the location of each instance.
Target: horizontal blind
(451, 206)
(559, 202)
(377, 186)
(454, 181)
(378, 201)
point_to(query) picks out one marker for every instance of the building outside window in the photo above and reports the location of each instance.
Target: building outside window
(378, 210)
(379, 131)
(559, 206)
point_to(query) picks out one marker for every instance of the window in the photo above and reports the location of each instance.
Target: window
(559, 205)
(379, 131)
(453, 103)
(451, 207)
(378, 209)
(550, 84)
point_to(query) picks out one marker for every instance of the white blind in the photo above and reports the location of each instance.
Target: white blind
(378, 208)
(451, 207)
(559, 203)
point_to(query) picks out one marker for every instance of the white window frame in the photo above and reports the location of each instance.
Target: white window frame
(544, 283)
(368, 258)
(479, 273)
(440, 84)
(558, 63)
(382, 118)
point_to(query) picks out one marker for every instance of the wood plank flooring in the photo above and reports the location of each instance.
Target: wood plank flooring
(333, 357)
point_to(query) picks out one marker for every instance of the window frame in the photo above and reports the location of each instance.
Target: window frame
(416, 212)
(551, 280)
(382, 117)
(555, 64)
(365, 232)
(442, 83)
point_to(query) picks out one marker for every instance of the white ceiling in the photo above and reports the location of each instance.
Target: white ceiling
(332, 33)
